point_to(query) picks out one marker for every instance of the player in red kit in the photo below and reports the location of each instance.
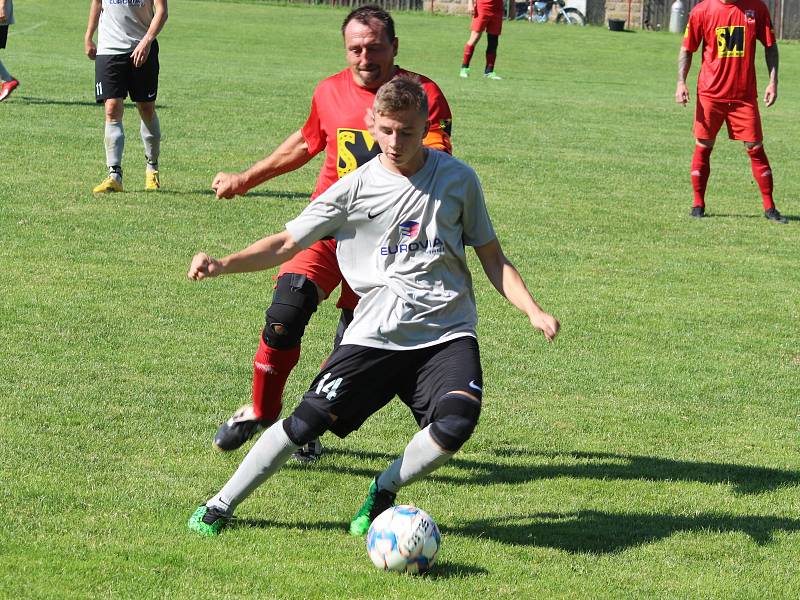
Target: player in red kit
(726, 87)
(487, 15)
(336, 124)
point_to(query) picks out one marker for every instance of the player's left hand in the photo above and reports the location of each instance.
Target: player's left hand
(770, 94)
(547, 324)
(203, 266)
(140, 54)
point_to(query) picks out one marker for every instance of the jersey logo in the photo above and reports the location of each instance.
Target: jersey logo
(409, 229)
(355, 147)
(730, 41)
(750, 16)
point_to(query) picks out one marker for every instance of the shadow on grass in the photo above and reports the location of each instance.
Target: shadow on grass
(442, 570)
(60, 102)
(744, 479)
(601, 533)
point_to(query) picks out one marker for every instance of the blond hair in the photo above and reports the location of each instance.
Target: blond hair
(400, 94)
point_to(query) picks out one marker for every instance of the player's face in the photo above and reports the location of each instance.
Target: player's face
(400, 137)
(370, 53)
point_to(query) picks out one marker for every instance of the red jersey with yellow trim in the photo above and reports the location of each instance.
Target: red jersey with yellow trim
(728, 33)
(336, 125)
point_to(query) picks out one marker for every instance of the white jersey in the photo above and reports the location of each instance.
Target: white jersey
(9, 14)
(401, 247)
(123, 24)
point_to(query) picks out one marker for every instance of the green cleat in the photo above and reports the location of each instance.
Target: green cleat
(207, 520)
(492, 75)
(464, 72)
(377, 501)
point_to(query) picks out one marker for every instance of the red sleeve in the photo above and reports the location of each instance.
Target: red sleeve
(693, 36)
(764, 31)
(312, 131)
(439, 118)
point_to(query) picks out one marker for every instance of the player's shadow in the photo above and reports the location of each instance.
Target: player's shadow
(443, 570)
(532, 466)
(62, 102)
(602, 532)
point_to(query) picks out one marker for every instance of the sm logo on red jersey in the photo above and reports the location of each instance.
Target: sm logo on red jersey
(730, 41)
(354, 148)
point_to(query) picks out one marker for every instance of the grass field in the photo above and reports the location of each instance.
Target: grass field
(652, 451)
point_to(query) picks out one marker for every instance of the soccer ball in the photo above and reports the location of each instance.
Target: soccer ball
(405, 539)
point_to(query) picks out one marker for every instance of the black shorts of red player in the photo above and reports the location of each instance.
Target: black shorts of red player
(357, 381)
(116, 77)
(3, 36)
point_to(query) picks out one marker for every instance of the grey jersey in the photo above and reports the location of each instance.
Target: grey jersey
(9, 13)
(123, 24)
(401, 247)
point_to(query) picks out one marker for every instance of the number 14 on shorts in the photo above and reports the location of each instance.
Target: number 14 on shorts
(328, 388)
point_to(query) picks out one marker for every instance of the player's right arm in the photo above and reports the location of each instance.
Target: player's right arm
(684, 64)
(292, 154)
(95, 8)
(266, 253)
(3, 13)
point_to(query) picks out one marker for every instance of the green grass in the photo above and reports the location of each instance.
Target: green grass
(650, 452)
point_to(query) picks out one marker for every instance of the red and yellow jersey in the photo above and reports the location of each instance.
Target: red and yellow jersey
(728, 33)
(336, 125)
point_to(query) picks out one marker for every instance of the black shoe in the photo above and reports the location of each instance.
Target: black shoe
(773, 215)
(310, 452)
(698, 211)
(238, 429)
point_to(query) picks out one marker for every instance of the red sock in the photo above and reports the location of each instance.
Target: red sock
(762, 174)
(271, 369)
(701, 169)
(468, 51)
(490, 58)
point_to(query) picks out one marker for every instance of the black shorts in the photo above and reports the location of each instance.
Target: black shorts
(3, 35)
(357, 381)
(116, 77)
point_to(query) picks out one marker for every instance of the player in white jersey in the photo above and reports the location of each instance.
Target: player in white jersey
(8, 83)
(401, 222)
(126, 63)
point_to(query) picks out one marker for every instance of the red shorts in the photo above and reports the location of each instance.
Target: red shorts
(319, 264)
(741, 116)
(491, 24)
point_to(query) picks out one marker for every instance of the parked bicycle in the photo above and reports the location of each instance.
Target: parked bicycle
(541, 12)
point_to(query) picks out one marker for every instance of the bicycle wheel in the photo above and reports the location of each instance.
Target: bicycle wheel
(571, 16)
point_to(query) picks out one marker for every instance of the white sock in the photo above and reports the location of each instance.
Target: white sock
(421, 456)
(151, 138)
(268, 455)
(115, 144)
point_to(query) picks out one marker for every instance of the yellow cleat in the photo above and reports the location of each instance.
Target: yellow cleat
(151, 181)
(108, 185)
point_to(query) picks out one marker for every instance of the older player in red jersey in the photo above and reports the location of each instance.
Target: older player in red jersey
(336, 124)
(726, 87)
(487, 15)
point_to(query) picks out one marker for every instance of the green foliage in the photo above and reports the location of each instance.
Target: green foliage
(650, 452)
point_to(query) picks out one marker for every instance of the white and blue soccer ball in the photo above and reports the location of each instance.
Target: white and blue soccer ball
(405, 539)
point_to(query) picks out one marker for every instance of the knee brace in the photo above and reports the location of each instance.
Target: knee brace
(306, 423)
(491, 43)
(294, 300)
(454, 420)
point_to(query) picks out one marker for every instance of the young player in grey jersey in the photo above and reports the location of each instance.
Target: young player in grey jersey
(126, 63)
(402, 222)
